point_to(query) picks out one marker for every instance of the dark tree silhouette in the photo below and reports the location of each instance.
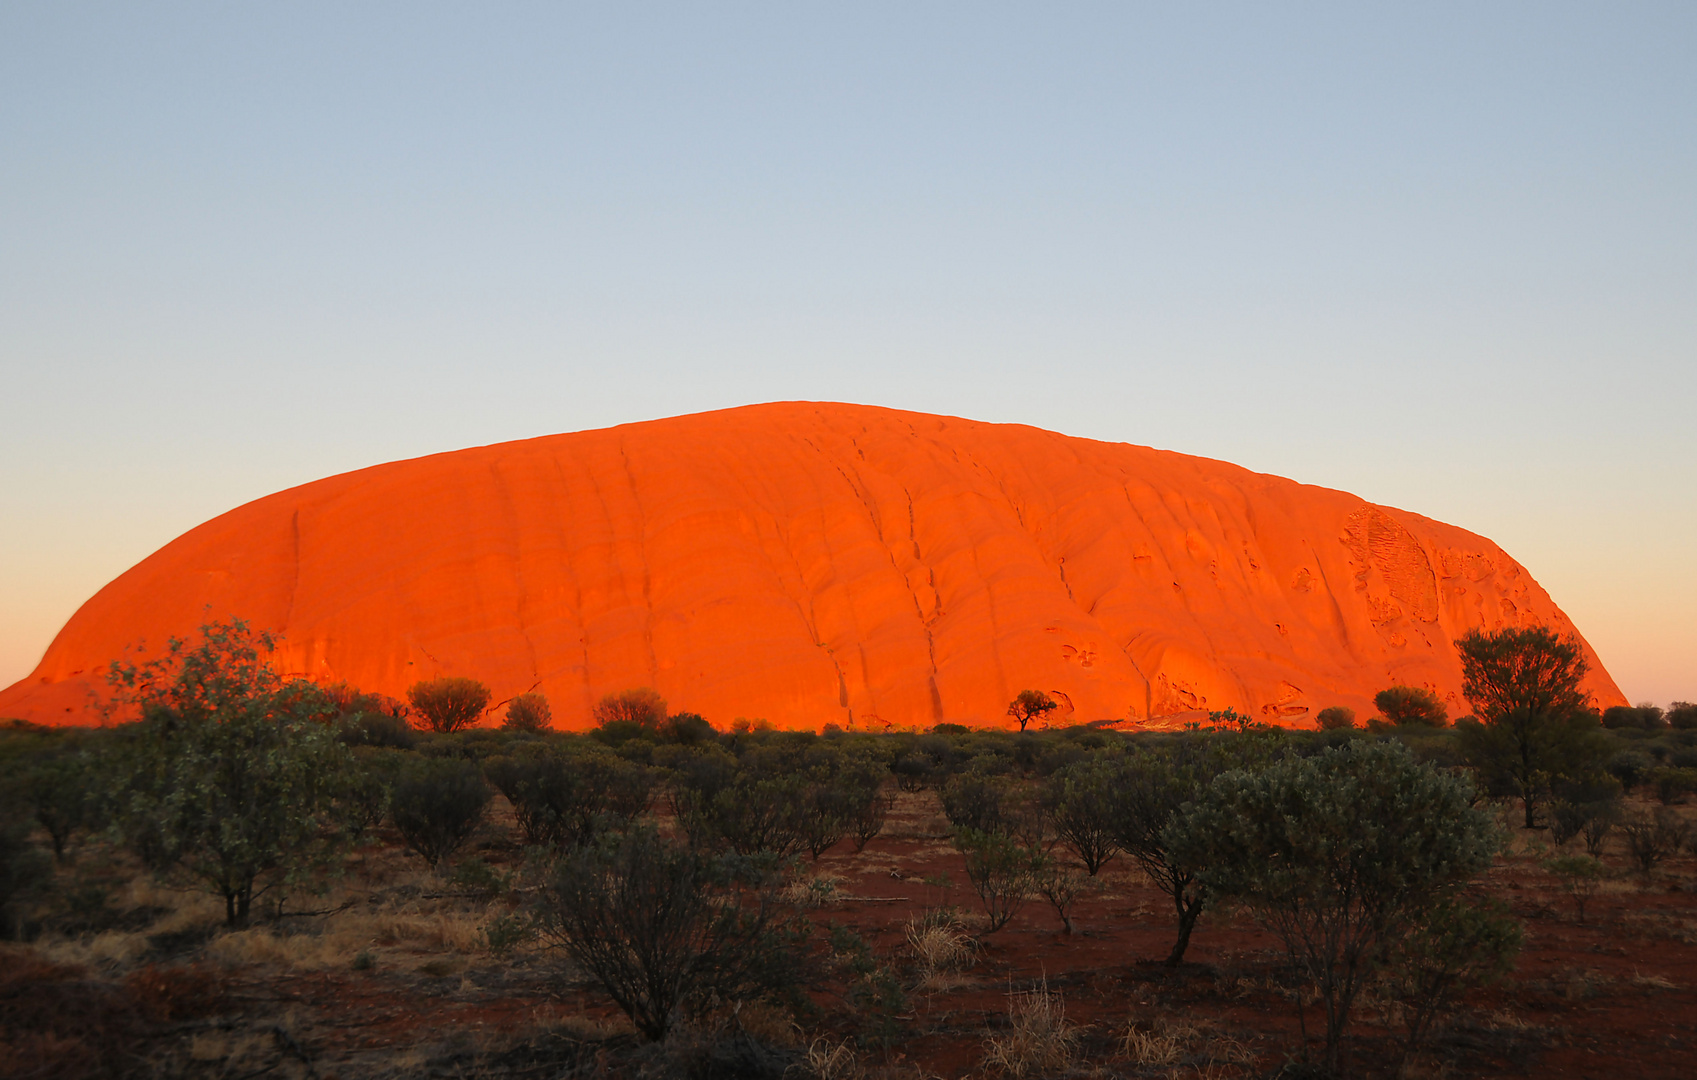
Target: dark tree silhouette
(1534, 726)
(1031, 705)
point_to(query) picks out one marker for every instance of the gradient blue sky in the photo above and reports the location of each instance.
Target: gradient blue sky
(1442, 256)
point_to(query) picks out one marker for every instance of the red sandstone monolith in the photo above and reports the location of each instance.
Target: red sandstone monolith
(819, 563)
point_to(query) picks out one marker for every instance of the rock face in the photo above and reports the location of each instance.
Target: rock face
(816, 563)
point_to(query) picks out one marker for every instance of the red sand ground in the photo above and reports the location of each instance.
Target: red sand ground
(820, 563)
(1617, 994)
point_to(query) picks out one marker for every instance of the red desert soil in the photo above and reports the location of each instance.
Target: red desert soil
(1585, 1000)
(822, 563)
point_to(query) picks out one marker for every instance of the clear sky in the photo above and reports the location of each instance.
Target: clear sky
(1441, 256)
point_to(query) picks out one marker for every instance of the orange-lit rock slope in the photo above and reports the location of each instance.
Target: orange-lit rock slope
(814, 563)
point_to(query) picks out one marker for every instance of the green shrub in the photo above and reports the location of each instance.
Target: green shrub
(231, 775)
(376, 729)
(1150, 789)
(1652, 839)
(1002, 872)
(1645, 717)
(1080, 799)
(528, 712)
(867, 803)
(1571, 819)
(746, 806)
(1062, 886)
(1533, 726)
(1405, 705)
(824, 815)
(1673, 785)
(1335, 717)
(632, 714)
(1342, 855)
(1598, 825)
(668, 931)
(364, 801)
(563, 798)
(978, 801)
(1682, 715)
(58, 787)
(23, 866)
(451, 703)
(1461, 942)
(688, 729)
(1580, 876)
(436, 804)
(1630, 767)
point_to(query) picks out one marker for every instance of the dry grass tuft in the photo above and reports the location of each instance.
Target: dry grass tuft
(941, 947)
(1165, 1044)
(824, 1061)
(1039, 1042)
(813, 891)
(1152, 1047)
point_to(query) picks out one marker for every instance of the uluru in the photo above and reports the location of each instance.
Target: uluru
(811, 564)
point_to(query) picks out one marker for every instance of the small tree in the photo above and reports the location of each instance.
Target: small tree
(23, 866)
(436, 804)
(1406, 705)
(1598, 826)
(1581, 876)
(867, 803)
(563, 798)
(1650, 840)
(231, 774)
(1031, 705)
(1150, 790)
(528, 712)
(1342, 855)
(1645, 716)
(741, 806)
(979, 801)
(824, 815)
(1081, 799)
(1335, 717)
(1682, 715)
(1461, 942)
(57, 786)
(450, 703)
(1061, 885)
(666, 930)
(641, 711)
(1533, 726)
(1673, 785)
(1002, 871)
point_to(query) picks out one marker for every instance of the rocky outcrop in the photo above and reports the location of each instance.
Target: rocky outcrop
(818, 563)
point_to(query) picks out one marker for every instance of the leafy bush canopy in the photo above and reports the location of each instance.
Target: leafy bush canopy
(1031, 705)
(667, 930)
(231, 774)
(1341, 854)
(1404, 705)
(451, 703)
(1335, 717)
(528, 712)
(436, 804)
(1533, 726)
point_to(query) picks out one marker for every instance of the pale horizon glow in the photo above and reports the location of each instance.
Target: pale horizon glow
(1443, 258)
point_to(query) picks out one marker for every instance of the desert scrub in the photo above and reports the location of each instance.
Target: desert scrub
(667, 930)
(1039, 1040)
(941, 948)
